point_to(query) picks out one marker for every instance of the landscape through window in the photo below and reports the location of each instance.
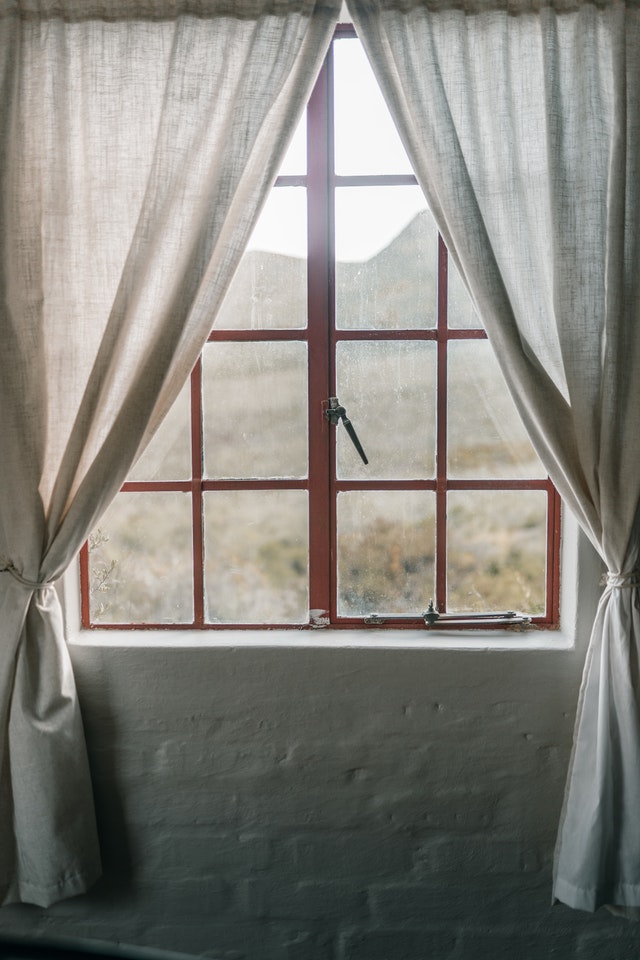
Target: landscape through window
(250, 507)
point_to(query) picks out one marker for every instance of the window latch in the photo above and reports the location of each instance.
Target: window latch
(336, 412)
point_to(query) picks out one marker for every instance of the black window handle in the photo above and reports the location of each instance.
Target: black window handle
(336, 412)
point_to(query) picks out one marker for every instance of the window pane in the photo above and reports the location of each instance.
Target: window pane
(388, 389)
(168, 456)
(486, 435)
(255, 410)
(386, 259)
(140, 561)
(461, 313)
(256, 556)
(295, 161)
(496, 550)
(269, 289)
(366, 140)
(386, 549)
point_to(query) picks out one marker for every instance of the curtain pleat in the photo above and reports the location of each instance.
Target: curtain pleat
(522, 121)
(137, 144)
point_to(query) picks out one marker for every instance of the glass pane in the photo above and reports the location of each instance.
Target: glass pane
(269, 289)
(140, 560)
(496, 550)
(461, 314)
(486, 435)
(386, 259)
(295, 160)
(388, 389)
(256, 556)
(255, 409)
(386, 549)
(366, 140)
(168, 456)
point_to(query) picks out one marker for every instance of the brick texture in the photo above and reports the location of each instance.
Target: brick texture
(329, 804)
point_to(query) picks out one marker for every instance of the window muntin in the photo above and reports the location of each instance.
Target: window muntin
(282, 515)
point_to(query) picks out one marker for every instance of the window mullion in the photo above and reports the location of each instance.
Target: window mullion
(319, 309)
(441, 430)
(197, 503)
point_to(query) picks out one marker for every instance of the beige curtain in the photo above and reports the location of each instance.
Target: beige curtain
(522, 119)
(137, 142)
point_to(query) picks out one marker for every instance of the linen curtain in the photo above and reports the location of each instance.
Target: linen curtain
(521, 118)
(137, 142)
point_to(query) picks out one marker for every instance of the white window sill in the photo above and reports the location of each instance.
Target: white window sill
(477, 640)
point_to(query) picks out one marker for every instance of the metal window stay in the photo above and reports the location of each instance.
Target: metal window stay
(432, 618)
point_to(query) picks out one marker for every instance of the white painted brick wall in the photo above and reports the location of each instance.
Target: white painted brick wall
(330, 804)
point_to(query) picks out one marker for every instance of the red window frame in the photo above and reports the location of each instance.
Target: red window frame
(322, 337)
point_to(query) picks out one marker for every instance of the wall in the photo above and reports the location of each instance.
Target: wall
(329, 803)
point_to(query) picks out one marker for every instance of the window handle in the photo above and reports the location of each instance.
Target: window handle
(336, 412)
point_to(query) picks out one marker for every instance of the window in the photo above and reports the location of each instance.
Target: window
(346, 323)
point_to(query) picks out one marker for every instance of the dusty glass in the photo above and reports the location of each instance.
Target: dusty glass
(140, 560)
(388, 390)
(295, 159)
(461, 313)
(386, 259)
(168, 455)
(496, 550)
(256, 556)
(386, 551)
(366, 139)
(269, 289)
(486, 438)
(255, 410)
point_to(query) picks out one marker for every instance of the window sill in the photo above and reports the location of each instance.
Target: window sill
(476, 640)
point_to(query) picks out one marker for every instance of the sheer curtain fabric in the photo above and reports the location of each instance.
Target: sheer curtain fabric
(137, 142)
(522, 120)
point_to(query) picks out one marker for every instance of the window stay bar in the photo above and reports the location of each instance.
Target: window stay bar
(431, 618)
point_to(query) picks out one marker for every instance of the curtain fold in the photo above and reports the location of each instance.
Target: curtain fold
(522, 121)
(138, 141)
